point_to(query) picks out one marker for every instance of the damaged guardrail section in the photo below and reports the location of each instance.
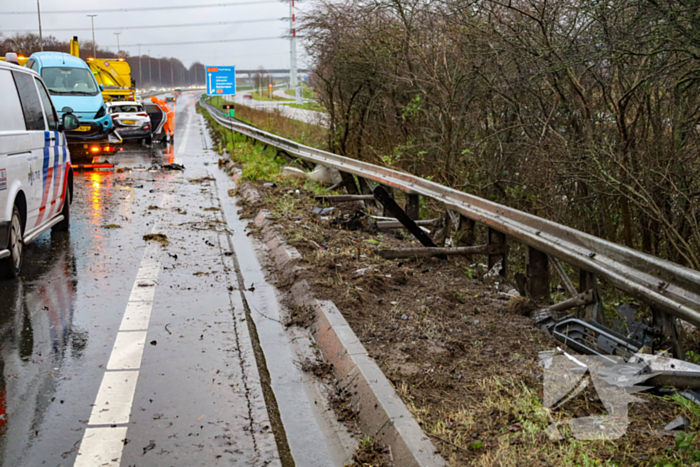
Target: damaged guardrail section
(670, 289)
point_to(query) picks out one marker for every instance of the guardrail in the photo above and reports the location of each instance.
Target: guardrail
(667, 287)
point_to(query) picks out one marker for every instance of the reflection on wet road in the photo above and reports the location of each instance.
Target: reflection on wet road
(42, 345)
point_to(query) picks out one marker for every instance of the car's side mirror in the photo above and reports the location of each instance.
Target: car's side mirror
(69, 121)
(102, 87)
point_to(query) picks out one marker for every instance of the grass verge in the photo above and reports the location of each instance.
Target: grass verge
(306, 93)
(314, 106)
(256, 163)
(274, 122)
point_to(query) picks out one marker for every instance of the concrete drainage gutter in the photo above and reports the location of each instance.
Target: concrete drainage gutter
(381, 411)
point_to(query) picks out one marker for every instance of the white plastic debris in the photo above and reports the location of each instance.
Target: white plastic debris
(293, 173)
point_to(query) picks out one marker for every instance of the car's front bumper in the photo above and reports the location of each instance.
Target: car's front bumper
(97, 129)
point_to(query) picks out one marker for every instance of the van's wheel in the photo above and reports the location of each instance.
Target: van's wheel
(11, 265)
(148, 140)
(64, 225)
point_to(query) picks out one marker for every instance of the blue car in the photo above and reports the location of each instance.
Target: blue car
(71, 84)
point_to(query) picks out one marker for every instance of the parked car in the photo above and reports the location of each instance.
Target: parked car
(36, 176)
(247, 96)
(71, 84)
(130, 120)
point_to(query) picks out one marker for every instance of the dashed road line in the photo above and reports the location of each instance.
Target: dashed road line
(103, 441)
(183, 143)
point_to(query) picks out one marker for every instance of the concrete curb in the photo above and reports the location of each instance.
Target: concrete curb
(382, 413)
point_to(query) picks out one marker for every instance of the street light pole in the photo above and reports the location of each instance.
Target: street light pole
(117, 34)
(140, 74)
(293, 79)
(41, 38)
(172, 75)
(160, 78)
(94, 46)
(150, 80)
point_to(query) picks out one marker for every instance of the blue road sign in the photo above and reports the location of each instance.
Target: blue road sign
(221, 80)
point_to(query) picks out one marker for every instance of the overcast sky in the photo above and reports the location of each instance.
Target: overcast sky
(269, 53)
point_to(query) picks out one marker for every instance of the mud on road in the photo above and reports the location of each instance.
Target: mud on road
(456, 349)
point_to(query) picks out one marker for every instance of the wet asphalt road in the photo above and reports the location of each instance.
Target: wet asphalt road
(119, 351)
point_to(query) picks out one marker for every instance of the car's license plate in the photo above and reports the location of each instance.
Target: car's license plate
(83, 128)
(129, 122)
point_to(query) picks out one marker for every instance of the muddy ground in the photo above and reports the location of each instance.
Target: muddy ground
(454, 346)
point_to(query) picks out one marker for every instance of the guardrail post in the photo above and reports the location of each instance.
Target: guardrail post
(497, 238)
(349, 182)
(390, 191)
(666, 324)
(594, 311)
(537, 275)
(366, 189)
(466, 232)
(413, 206)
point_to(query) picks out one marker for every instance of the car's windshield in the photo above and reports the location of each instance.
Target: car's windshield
(64, 81)
(119, 109)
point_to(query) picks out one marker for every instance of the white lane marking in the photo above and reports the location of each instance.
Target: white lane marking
(127, 351)
(136, 316)
(113, 403)
(143, 291)
(101, 446)
(149, 270)
(183, 143)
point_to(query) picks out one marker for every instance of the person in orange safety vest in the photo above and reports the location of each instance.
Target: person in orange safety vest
(168, 127)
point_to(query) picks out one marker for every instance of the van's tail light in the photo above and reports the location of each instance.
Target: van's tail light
(142, 115)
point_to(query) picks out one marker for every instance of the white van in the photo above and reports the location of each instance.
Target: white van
(36, 176)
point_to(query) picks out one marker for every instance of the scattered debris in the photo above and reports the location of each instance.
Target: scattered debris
(371, 452)
(324, 175)
(174, 166)
(154, 342)
(677, 423)
(201, 180)
(322, 211)
(151, 446)
(157, 237)
(111, 226)
(293, 173)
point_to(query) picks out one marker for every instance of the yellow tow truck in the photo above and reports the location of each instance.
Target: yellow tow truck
(113, 75)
